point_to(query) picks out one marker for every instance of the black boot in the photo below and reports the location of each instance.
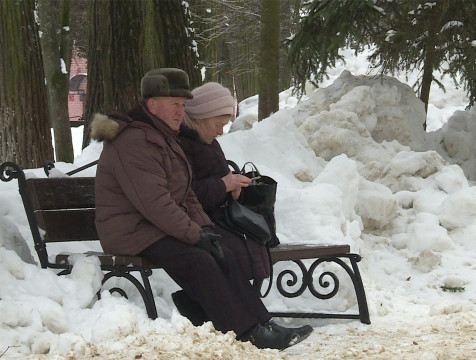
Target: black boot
(265, 337)
(189, 308)
(302, 331)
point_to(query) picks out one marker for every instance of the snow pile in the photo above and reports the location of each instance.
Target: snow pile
(455, 141)
(361, 124)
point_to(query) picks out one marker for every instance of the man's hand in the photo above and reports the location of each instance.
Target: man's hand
(209, 242)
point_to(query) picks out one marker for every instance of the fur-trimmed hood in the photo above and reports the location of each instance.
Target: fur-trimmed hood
(104, 127)
(108, 127)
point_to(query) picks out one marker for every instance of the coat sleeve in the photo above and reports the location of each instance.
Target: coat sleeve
(211, 192)
(196, 211)
(140, 173)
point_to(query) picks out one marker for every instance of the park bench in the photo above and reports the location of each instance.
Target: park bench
(64, 208)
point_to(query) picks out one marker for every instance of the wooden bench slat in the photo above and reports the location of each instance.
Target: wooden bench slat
(306, 251)
(67, 225)
(107, 259)
(61, 193)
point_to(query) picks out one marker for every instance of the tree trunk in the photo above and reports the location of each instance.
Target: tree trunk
(116, 58)
(25, 135)
(176, 42)
(56, 48)
(430, 51)
(268, 102)
(127, 39)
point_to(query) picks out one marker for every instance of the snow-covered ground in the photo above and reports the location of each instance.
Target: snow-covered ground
(353, 165)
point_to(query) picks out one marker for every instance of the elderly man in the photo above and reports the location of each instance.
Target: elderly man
(145, 206)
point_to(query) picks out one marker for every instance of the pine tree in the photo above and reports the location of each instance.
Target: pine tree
(407, 35)
(289, 24)
(327, 27)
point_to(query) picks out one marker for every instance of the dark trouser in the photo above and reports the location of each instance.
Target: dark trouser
(227, 297)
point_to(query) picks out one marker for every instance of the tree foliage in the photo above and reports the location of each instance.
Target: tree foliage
(327, 27)
(407, 35)
(289, 25)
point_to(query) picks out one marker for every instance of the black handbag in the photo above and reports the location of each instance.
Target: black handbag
(245, 221)
(259, 196)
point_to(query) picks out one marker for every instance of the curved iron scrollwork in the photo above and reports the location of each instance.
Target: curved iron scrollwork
(322, 282)
(49, 164)
(116, 290)
(10, 171)
(293, 281)
(326, 280)
(127, 276)
(144, 289)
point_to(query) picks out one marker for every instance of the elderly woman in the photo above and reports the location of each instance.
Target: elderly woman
(208, 112)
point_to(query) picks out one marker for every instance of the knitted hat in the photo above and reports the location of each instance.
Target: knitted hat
(210, 100)
(168, 82)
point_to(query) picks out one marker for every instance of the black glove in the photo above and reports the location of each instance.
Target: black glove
(209, 242)
(209, 229)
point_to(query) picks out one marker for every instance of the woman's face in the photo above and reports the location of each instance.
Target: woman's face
(213, 127)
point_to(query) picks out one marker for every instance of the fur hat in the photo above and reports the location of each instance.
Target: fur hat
(210, 100)
(165, 82)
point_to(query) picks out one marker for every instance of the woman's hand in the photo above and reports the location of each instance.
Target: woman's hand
(234, 183)
(236, 193)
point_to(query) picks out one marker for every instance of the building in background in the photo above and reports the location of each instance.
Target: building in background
(78, 83)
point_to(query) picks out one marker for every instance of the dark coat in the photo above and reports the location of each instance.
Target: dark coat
(209, 165)
(143, 184)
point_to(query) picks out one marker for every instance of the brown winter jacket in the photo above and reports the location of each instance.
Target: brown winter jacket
(143, 184)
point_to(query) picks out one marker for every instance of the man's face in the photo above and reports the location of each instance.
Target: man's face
(170, 110)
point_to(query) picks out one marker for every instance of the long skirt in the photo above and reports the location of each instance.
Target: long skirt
(252, 257)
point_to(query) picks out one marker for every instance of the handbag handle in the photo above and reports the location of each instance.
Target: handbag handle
(254, 170)
(235, 167)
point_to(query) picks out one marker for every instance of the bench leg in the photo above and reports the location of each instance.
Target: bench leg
(354, 275)
(150, 304)
(359, 290)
